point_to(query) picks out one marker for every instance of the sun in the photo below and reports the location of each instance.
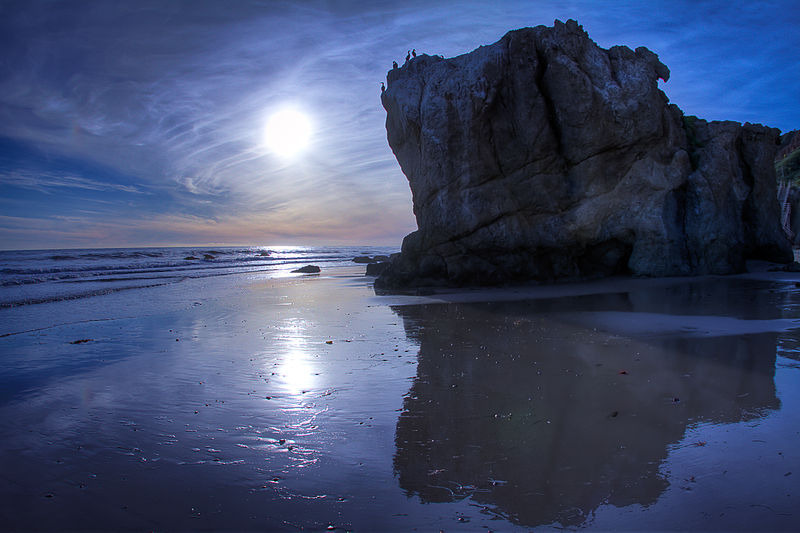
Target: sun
(287, 132)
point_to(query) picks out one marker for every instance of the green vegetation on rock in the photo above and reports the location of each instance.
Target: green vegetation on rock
(788, 167)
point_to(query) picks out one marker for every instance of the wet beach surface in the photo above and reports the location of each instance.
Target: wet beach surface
(314, 404)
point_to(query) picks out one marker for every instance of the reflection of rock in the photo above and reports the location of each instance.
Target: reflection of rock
(544, 156)
(520, 409)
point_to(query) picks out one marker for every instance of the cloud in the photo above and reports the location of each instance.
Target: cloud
(47, 181)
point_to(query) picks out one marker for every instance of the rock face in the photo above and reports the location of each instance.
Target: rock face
(543, 156)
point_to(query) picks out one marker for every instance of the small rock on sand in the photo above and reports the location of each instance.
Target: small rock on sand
(308, 269)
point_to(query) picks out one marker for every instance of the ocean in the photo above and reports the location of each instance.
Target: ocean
(41, 276)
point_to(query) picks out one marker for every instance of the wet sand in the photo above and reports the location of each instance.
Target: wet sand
(310, 402)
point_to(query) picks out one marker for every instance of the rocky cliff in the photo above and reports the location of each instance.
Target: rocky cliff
(543, 156)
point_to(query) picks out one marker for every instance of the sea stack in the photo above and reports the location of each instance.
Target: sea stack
(545, 157)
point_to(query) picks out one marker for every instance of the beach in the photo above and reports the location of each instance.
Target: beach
(253, 401)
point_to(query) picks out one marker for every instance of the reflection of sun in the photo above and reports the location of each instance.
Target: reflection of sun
(296, 365)
(287, 132)
(297, 372)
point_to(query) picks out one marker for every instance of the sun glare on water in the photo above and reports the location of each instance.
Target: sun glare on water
(287, 132)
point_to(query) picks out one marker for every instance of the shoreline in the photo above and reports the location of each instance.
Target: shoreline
(757, 271)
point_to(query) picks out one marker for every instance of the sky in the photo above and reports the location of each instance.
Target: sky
(142, 122)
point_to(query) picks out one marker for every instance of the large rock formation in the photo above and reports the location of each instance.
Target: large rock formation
(543, 156)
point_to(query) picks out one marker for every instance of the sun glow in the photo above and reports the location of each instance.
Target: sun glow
(287, 132)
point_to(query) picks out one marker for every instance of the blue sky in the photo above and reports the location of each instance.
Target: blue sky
(132, 123)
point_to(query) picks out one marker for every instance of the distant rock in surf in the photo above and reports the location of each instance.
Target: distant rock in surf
(366, 259)
(543, 157)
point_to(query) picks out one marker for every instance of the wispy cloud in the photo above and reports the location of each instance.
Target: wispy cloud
(48, 181)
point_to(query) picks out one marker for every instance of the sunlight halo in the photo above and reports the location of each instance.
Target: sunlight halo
(287, 132)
